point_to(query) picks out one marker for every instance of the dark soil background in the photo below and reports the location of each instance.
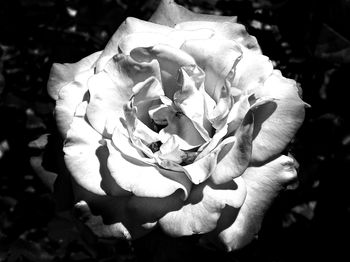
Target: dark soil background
(308, 41)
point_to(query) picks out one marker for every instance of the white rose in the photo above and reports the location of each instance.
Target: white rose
(178, 123)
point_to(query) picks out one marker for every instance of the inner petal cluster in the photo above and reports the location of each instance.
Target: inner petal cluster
(173, 131)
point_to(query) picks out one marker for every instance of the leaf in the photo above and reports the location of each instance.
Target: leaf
(332, 46)
(27, 250)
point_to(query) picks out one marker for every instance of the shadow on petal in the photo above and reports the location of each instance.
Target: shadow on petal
(205, 206)
(262, 113)
(127, 217)
(263, 183)
(108, 184)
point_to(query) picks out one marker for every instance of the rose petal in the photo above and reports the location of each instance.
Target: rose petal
(234, 157)
(68, 98)
(174, 38)
(237, 113)
(178, 37)
(180, 125)
(196, 169)
(213, 142)
(63, 74)
(85, 157)
(263, 185)
(139, 134)
(176, 123)
(203, 208)
(251, 71)
(144, 180)
(170, 60)
(191, 99)
(133, 217)
(169, 13)
(228, 30)
(144, 39)
(146, 94)
(111, 89)
(276, 123)
(129, 26)
(202, 168)
(123, 143)
(219, 115)
(170, 151)
(96, 224)
(146, 91)
(216, 58)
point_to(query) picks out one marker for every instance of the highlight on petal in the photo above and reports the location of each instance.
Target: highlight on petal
(178, 37)
(203, 208)
(251, 71)
(263, 185)
(68, 98)
(63, 74)
(144, 39)
(170, 13)
(225, 30)
(216, 58)
(276, 123)
(174, 38)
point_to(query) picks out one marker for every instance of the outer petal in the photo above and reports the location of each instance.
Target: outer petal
(63, 74)
(129, 26)
(174, 38)
(204, 207)
(228, 30)
(263, 185)
(169, 13)
(123, 217)
(86, 157)
(251, 71)
(276, 123)
(68, 99)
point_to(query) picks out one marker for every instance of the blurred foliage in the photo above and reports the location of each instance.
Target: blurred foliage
(308, 41)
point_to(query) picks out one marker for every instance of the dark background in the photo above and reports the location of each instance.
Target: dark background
(307, 40)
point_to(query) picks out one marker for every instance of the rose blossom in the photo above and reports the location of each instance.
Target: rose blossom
(179, 123)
